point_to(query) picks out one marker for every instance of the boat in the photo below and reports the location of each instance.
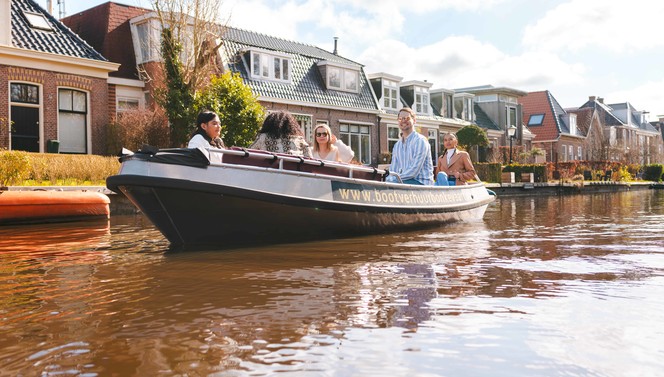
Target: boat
(256, 197)
(36, 206)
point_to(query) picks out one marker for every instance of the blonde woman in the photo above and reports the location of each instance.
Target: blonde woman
(328, 147)
(454, 166)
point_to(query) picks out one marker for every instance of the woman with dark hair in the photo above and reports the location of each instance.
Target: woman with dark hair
(207, 134)
(454, 166)
(282, 134)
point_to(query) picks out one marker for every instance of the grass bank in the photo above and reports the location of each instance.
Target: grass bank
(18, 168)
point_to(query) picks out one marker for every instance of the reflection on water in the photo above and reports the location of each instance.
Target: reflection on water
(543, 286)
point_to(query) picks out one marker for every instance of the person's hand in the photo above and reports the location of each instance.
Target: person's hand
(333, 138)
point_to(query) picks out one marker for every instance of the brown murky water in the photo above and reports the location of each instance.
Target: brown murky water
(544, 286)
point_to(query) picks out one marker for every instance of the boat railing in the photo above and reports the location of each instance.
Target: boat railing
(281, 161)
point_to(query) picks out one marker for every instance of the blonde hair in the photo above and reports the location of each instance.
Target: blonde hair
(329, 136)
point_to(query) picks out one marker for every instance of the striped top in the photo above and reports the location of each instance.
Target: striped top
(411, 159)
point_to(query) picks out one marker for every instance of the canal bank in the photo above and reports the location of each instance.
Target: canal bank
(120, 205)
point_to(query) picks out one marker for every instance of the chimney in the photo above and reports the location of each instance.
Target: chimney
(335, 45)
(49, 6)
(591, 98)
(5, 19)
(600, 100)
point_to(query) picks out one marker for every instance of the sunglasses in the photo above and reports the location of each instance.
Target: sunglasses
(321, 134)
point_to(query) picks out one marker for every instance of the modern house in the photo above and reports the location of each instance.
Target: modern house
(54, 91)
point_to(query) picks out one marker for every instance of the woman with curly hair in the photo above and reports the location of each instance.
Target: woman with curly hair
(281, 134)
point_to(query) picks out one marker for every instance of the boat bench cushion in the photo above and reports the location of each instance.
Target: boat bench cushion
(265, 159)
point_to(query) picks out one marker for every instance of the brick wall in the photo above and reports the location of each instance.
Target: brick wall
(96, 88)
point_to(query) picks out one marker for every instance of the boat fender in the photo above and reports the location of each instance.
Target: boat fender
(322, 164)
(385, 175)
(375, 173)
(491, 192)
(299, 164)
(246, 152)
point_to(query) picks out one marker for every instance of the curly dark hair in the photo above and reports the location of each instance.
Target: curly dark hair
(281, 124)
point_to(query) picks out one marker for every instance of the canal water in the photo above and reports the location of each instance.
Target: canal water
(544, 286)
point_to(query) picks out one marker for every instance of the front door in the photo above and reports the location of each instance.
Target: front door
(25, 129)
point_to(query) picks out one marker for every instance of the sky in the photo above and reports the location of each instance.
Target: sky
(612, 49)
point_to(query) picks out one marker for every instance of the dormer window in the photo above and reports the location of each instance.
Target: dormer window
(340, 77)
(270, 66)
(572, 124)
(390, 94)
(38, 21)
(421, 100)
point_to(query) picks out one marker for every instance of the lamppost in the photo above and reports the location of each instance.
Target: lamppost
(511, 132)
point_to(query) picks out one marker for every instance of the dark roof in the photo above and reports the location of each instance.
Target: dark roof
(307, 84)
(483, 120)
(60, 40)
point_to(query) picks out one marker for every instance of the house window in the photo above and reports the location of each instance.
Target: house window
(448, 106)
(390, 94)
(271, 67)
(25, 93)
(358, 138)
(342, 79)
(536, 120)
(72, 120)
(25, 131)
(579, 155)
(563, 151)
(392, 136)
(421, 100)
(147, 41)
(510, 116)
(38, 21)
(572, 124)
(434, 145)
(127, 104)
(486, 98)
(305, 124)
(571, 152)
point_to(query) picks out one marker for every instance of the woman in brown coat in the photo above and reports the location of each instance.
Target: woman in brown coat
(454, 166)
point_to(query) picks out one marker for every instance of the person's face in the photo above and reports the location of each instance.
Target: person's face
(406, 121)
(212, 128)
(449, 142)
(321, 135)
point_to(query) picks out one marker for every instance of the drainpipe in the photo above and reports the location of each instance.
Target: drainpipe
(335, 45)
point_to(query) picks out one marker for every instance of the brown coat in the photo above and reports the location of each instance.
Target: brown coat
(460, 166)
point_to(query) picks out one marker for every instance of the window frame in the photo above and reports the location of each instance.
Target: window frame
(85, 113)
(363, 135)
(541, 120)
(263, 66)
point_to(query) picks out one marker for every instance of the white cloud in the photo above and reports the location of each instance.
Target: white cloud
(648, 96)
(613, 25)
(462, 61)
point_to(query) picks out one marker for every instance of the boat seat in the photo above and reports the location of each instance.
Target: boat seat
(261, 158)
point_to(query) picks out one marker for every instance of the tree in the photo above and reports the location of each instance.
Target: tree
(239, 111)
(472, 135)
(190, 41)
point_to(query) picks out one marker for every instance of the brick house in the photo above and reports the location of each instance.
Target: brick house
(556, 130)
(54, 92)
(626, 135)
(315, 85)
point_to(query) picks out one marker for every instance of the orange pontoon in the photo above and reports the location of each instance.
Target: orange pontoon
(17, 207)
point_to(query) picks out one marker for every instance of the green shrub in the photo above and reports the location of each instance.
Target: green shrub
(14, 167)
(488, 172)
(653, 172)
(539, 170)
